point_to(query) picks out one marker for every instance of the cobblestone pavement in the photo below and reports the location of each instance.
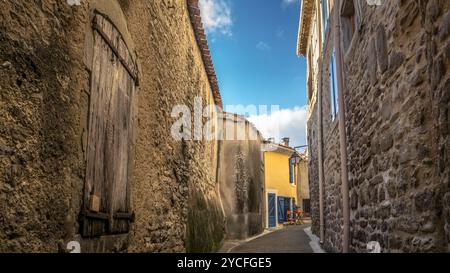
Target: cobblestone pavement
(291, 239)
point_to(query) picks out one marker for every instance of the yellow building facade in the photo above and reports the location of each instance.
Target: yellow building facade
(281, 175)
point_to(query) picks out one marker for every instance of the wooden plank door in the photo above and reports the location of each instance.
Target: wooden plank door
(109, 159)
(281, 211)
(271, 204)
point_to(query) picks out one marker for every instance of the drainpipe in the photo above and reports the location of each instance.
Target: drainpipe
(342, 132)
(320, 137)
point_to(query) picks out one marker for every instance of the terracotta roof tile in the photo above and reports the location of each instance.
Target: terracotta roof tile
(194, 13)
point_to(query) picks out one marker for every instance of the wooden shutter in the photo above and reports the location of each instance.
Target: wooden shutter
(106, 208)
(359, 14)
(281, 211)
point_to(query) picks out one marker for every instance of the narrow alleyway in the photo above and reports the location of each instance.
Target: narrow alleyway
(291, 239)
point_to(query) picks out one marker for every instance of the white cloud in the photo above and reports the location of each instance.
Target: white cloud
(280, 34)
(263, 46)
(216, 16)
(283, 123)
(289, 2)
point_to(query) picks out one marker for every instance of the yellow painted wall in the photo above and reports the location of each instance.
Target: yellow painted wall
(276, 174)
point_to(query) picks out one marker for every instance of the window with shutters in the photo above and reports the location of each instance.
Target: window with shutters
(350, 21)
(291, 171)
(310, 75)
(109, 155)
(359, 10)
(334, 92)
(325, 7)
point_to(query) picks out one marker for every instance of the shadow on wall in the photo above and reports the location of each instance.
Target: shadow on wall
(241, 181)
(44, 128)
(204, 227)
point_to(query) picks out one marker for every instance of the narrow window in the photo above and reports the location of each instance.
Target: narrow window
(109, 156)
(348, 22)
(310, 76)
(325, 16)
(333, 87)
(291, 172)
(359, 9)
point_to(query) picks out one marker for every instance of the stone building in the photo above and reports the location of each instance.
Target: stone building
(241, 177)
(303, 195)
(79, 163)
(382, 174)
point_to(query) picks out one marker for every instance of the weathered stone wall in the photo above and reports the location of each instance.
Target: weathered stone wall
(174, 181)
(397, 81)
(43, 94)
(241, 178)
(302, 181)
(44, 57)
(313, 170)
(397, 99)
(313, 56)
(331, 156)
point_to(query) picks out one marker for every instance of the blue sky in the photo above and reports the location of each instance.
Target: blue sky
(253, 46)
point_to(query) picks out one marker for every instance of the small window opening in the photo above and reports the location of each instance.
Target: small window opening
(348, 23)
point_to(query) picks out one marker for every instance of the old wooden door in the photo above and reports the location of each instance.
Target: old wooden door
(281, 210)
(271, 204)
(109, 155)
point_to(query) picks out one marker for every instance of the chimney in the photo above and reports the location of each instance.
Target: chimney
(285, 141)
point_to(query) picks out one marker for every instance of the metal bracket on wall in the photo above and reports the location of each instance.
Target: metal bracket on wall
(105, 216)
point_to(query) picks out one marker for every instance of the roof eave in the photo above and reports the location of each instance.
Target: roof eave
(307, 9)
(202, 42)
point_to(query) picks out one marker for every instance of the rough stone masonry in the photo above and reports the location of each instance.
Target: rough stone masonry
(397, 100)
(46, 57)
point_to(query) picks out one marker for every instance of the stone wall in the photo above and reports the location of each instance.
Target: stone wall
(331, 156)
(313, 170)
(331, 159)
(241, 178)
(44, 57)
(43, 92)
(397, 99)
(175, 181)
(313, 56)
(302, 181)
(398, 157)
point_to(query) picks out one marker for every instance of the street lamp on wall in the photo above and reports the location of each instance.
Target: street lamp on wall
(295, 160)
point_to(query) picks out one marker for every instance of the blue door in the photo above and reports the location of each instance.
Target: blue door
(281, 210)
(271, 210)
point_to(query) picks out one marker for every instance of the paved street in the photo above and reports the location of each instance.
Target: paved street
(291, 239)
